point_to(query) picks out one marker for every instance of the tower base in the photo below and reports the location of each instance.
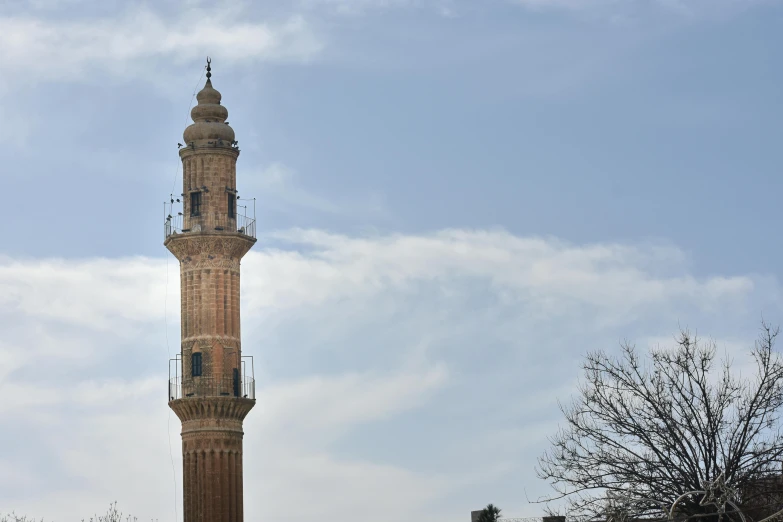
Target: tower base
(212, 457)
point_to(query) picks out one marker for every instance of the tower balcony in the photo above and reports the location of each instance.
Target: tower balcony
(183, 388)
(240, 383)
(237, 225)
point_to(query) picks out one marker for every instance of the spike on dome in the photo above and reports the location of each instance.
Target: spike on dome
(209, 95)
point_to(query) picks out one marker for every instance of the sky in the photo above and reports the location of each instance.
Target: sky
(456, 200)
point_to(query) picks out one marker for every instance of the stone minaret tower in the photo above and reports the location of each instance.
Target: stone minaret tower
(211, 391)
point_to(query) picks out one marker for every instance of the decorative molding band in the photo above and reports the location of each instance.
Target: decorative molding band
(208, 148)
(210, 408)
(186, 246)
(232, 265)
(225, 340)
(199, 442)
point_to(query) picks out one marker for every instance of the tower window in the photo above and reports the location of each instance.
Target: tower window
(232, 205)
(195, 203)
(195, 364)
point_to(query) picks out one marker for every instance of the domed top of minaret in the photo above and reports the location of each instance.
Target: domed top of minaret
(209, 117)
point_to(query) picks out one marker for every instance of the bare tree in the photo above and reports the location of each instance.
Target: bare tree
(651, 428)
(112, 515)
(13, 517)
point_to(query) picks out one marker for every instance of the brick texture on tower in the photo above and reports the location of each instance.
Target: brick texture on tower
(211, 391)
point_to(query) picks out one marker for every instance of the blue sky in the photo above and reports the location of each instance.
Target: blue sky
(455, 199)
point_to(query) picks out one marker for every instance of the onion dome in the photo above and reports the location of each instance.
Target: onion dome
(209, 117)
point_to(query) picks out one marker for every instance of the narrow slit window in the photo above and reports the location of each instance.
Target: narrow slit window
(195, 203)
(232, 205)
(196, 364)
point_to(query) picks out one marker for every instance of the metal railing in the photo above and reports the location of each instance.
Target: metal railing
(172, 225)
(179, 388)
(240, 224)
(246, 226)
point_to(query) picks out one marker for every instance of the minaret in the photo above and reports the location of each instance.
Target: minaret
(211, 390)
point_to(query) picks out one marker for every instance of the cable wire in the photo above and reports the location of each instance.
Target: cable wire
(166, 312)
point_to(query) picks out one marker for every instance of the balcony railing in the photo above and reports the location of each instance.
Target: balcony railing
(242, 224)
(179, 388)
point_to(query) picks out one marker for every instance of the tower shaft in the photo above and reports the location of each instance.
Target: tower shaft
(214, 393)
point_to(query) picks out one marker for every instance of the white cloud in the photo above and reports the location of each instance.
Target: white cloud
(45, 290)
(614, 277)
(352, 490)
(400, 376)
(37, 48)
(330, 405)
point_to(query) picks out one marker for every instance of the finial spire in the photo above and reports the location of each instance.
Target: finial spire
(209, 69)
